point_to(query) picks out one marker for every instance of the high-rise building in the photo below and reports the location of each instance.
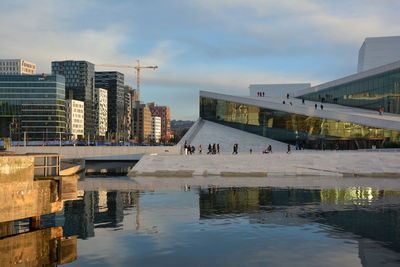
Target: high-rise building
(127, 123)
(143, 123)
(101, 111)
(378, 51)
(155, 129)
(17, 66)
(75, 113)
(113, 81)
(79, 85)
(164, 113)
(34, 104)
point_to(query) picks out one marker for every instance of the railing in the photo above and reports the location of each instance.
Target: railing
(46, 165)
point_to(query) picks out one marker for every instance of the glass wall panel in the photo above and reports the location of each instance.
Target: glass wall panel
(373, 92)
(311, 132)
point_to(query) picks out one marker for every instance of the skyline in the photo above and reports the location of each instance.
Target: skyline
(201, 45)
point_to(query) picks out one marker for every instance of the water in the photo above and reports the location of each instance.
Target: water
(237, 226)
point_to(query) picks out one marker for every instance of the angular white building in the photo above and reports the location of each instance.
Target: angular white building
(101, 110)
(75, 111)
(155, 129)
(378, 51)
(17, 66)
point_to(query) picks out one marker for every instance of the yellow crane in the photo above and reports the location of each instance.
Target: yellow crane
(138, 67)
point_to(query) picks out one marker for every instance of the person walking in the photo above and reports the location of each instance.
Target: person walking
(287, 96)
(251, 151)
(288, 149)
(303, 101)
(200, 149)
(209, 149)
(234, 148)
(214, 149)
(316, 106)
(322, 107)
(218, 148)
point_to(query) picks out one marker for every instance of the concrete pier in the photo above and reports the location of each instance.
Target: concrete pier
(24, 196)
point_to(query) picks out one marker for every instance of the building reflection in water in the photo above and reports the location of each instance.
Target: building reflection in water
(97, 209)
(361, 212)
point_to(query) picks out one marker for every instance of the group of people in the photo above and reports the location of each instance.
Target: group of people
(213, 149)
(260, 94)
(189, 150)
(316, 106)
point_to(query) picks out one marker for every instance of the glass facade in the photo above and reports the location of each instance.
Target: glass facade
(373, 92)
(309, 132)
(34, 104)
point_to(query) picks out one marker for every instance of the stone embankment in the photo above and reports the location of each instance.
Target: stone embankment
(307, 163)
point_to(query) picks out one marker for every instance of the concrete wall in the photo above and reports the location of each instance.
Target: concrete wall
(22, 197)
(16, 169)
(100, 152)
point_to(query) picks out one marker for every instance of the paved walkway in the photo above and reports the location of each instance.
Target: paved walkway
(339, 164)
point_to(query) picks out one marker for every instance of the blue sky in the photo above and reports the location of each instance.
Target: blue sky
(219, 45)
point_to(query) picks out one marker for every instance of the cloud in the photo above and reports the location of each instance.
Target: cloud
(223, 45)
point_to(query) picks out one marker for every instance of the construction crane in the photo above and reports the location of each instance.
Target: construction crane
(138, 67)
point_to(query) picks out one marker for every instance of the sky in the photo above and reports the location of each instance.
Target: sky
(216, 45)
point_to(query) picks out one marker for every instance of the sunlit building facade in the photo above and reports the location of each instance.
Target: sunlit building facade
(373, 89)
(101, 110)
(296, 124)
(17, 66)
(75, 113)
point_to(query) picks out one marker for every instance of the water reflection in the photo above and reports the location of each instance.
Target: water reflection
(41, 247)
(96, 209)
(353, 226)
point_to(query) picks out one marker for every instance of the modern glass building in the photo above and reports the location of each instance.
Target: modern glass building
(372, 89)
(34, 104)
(79, 85)
(298, 124)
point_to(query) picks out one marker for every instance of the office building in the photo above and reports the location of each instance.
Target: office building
(75, 113)
(142, 127)
(378, 51)
(17, 66)
(113, 82)
(164, 113)
(101, 111)
(155, 129)
(32, 104)
(266, 90)
(79, 85)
